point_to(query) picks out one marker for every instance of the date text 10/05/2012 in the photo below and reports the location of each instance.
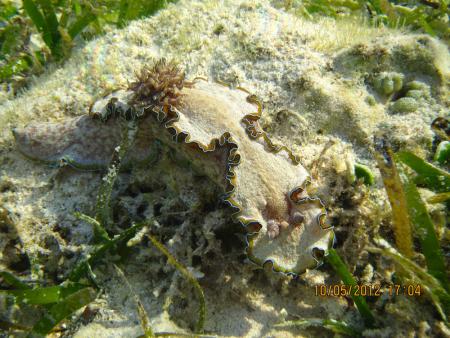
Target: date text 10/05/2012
(376, 290)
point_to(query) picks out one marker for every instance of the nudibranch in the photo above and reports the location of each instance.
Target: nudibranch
(217, 129)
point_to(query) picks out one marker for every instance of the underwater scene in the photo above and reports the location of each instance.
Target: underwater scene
(224, 168)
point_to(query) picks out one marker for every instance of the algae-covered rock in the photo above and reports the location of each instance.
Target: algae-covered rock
(321, 71)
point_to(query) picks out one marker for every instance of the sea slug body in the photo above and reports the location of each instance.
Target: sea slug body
(83, 142)
(217, 129)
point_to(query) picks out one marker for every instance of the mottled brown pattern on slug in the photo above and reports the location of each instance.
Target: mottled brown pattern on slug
(82, 140)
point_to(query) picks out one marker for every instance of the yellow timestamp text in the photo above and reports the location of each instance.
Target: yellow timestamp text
(375, 290)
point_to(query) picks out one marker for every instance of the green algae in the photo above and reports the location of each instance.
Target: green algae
(405, 105)
(425, 231)
(63, 309)
(14, 281)
(439, 296)
(341, 269)
(442, 154)
(387, 83)
(44, 295)
(433, 177)
(364, 173)
(415, 94)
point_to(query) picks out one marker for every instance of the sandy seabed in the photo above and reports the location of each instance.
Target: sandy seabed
(319, 83)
